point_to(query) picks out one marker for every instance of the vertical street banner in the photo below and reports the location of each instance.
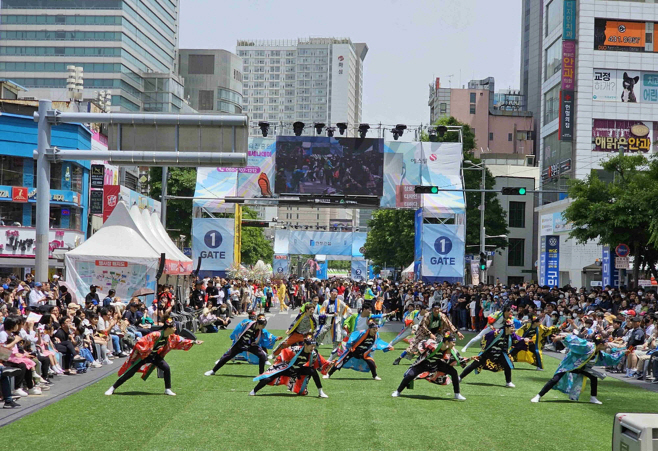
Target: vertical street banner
(568, 65)
(609, 274)
(569, 20)
(418, 242)
(96, 202)
(549, 261)
(280, 265)
(110, 199)
(322, 270)
(359, 270)
(566, 116)
(443, 253)
(97, 175)
(212, 241)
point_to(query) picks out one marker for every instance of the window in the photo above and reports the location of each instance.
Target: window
(472, 97)
(472, 111)
(509, 137)
(553, 15)
(11, 171)
(553, 59)
(443, 107)
(11, 213)
(490, 136)
(551, 104)
(201, 64)
(517, 214)
(206, 100)
(516, 252)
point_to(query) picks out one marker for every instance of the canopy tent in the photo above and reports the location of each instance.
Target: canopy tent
(408, 272)
(116, 257)
(159, 231)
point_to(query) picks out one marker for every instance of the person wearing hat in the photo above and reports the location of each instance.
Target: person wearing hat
(636, 337)
(249, 336)
(538, 335)
(494, 356)
(582, 356)
(149, 353)
(303, 325)
(92, 296)
(293, 367)
(36, 296)
(435, 364)
(336, 311)
(359, 350)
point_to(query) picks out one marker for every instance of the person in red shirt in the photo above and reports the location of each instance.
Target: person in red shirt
(341, 289)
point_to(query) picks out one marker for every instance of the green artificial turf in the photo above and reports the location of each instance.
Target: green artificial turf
(360, 414)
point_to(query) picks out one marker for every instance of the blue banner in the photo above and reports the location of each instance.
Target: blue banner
(212, 240)
(358, 243)
(443, 253)
(569, 21)
(549, 261)
(610, 274)
(280, 265)
(418, 242)
(321, 273)
(359, 270)
(320, 243)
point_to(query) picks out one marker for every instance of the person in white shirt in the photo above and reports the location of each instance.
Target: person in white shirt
(472, 306)
(37, 297)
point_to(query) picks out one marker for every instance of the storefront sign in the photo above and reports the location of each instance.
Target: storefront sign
(609, 135)
(549, 261)
(553, 171)
(628, 86)
(568, 64)
(19, 194)
(97, 175)
(569, 20)
(566, 115)
(615, 35)
(110, 199)
(96, 202)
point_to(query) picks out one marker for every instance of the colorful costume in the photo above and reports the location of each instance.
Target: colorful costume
(246, 338)
(577, 365)
(532, 352)
(335, 310)
(357, 352)
(300, 327)
(292, 368)
(429, 325)
(267, 341)
(494, 321)
(357, 322)
(411, 319)
(494, 356)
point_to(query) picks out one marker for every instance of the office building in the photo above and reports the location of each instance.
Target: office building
(314, 80)
(126, 47)
(599, 68)
(213, 80)
(502, 129)
(531, 58)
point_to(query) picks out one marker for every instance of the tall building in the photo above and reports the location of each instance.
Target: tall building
(600, 96)
(531, 57)
(314, 80)
(213, 80)
(128, 47)
(501, 129)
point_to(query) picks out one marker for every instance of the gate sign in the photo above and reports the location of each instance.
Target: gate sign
(622, 250)
(443, 252)
(212, 240)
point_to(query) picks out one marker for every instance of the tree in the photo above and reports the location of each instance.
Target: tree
(254, 244)
(182, 182)
(621, 211)
(390, 240)
(495, 220)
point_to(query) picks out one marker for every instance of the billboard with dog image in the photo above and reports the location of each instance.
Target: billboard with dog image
(611, 85)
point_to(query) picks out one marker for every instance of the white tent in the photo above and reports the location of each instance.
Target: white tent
(116, 257)
(159, 231)
(408, 272)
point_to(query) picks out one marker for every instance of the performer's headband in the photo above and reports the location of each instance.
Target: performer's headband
(509, 323)
(169, 323)
(309, 341)
(372, 325)
(449, 337)
(261, 319)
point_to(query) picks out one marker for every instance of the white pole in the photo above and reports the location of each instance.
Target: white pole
(43, 193)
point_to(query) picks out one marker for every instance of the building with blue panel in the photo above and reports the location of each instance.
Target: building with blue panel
(18, 189)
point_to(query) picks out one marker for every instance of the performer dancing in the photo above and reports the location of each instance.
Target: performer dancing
(578, 363)
(495, 321)
(433, 324)
(248, 340)
(435, 364)
(267, 341)
(149, 352)
(335, 310)
(496, 346)
(538, 334)
(293, 367)
(360, 321)
(411, 318)
(303, 325)
(358, 351)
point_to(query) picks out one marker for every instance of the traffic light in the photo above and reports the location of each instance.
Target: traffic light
(514, 191)
(483, 262)
(426, 190)
(252, 223)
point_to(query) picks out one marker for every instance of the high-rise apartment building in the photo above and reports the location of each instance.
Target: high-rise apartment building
(531, 57)
(128, 47)
(599, 97)
(314, 80)
(213, 80)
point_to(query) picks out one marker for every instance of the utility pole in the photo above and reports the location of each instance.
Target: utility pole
(43, 193)
(482, 230)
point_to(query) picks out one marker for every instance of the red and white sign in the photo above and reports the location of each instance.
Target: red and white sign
(19, 194)
(110, 199)
(114, 264)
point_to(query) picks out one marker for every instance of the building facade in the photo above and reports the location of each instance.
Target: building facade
(531, 58)
(314, 80)
(127, 47)
(601, 54)
(213, 80)
(500, 128)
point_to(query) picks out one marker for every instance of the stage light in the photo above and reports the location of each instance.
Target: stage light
(398, 131)
(342, 126)
(441, 129)
(264, 128)
(363, 130)
(432, 135)
(330, 131)
(298, 128)
(318, 128)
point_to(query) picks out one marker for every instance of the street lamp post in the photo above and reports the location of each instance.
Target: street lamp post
(483, 246)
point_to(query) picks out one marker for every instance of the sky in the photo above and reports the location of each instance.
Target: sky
(410, 42)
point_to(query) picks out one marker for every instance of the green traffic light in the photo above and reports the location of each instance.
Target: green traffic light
(522, 191)
(435, 190)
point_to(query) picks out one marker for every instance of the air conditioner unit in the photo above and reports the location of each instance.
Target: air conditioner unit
(635, 432)
(530, 160)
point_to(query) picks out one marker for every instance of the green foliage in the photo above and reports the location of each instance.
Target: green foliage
(340, 264)
(495, 220)
(182, 182)
(254, 244)
(391, 238)
(619, 212)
